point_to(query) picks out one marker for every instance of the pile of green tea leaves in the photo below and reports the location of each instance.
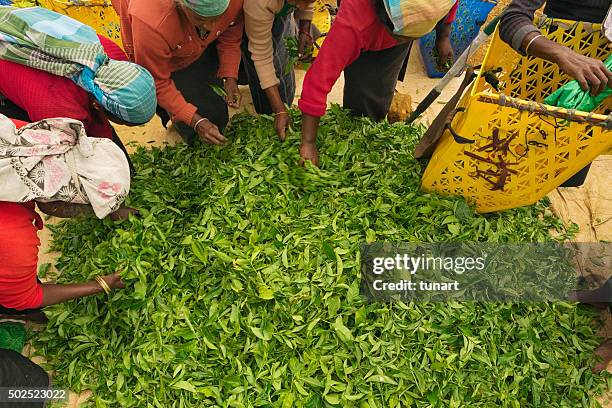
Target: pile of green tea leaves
(243, 287)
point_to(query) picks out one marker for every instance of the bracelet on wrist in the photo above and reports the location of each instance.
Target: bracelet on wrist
(195, 127)
(103, 285)
(531, 42)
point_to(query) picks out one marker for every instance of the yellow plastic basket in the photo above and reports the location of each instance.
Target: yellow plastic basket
(98, 14)
(321, 19)
(522, 149)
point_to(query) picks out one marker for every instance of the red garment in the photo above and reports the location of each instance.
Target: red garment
(19, 123)
(19, 256)
(19, 244)
(43, 95)
(356, 29)
(452, 14)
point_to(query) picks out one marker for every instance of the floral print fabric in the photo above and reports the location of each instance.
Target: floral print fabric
(54, 160)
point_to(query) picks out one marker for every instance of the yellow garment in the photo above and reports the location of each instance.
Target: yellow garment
(415, 18)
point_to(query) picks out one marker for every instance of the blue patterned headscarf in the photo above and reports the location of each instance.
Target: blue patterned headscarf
(60, 45)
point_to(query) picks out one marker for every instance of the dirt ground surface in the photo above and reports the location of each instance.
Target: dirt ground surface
(589, 206)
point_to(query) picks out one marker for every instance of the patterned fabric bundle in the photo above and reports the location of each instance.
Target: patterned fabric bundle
(415, 18)
(54, 160)
(52, 42)
(207, 8)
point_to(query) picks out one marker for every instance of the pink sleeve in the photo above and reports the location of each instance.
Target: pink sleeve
(342, 46)
(452, 14)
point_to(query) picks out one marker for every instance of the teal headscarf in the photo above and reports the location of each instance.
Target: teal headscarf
(207, 8)
(60, 45)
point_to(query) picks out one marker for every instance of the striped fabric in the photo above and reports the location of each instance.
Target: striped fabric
(415, 18)
(60, 45)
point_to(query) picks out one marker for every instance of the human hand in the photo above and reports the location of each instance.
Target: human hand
(209, 132)
(233, 97)
(445, 52)
(114, 281)
(123, 213)
(282, 120)
(308, 151)
(590, 73)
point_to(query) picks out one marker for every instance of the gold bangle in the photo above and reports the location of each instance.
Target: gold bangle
(281, 113)
(531, 42)
(103, 285)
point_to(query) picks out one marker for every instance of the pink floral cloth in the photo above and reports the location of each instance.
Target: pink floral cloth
(54, 160)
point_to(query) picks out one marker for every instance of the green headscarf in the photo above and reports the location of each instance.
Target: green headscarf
(207, 8)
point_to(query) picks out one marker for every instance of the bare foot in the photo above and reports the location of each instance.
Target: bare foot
(123, 213)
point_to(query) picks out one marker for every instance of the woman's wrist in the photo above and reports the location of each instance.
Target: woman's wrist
(310, 127)
(194, 119)
(106, 287)
(198, 123)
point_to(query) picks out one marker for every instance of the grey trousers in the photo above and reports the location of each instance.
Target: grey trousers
(369, 82)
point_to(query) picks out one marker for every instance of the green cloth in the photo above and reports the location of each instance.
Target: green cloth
(12, 336)
(571, 95)
(207, 8)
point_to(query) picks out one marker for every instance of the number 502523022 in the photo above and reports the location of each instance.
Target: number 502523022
(8, 394)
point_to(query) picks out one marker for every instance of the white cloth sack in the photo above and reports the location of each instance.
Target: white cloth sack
(54, 160)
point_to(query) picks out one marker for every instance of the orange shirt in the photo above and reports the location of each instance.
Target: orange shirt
(158, 36)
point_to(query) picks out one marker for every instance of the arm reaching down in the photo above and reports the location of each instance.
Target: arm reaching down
(54, 294)
(341, 47)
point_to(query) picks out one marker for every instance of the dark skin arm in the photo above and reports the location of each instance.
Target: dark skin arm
(207, 131)
(233, 96)
(281, 117)
(308, 150)
(590, 73)
(61, 209)
(443, 43)
(54, 294)
(305, 39)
